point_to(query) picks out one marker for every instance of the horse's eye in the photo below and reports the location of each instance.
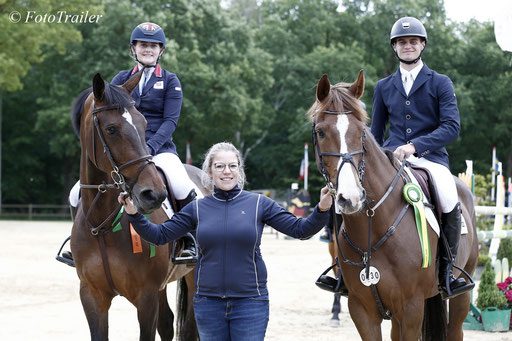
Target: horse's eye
(320, 133)
(111, 130)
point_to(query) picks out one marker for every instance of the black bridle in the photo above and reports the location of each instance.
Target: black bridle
(116, 175)
(345, 157)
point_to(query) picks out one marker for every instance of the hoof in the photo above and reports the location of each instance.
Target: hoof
(334, 323)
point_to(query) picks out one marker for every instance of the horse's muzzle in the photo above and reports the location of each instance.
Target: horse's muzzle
(149, 199)
(350, 206)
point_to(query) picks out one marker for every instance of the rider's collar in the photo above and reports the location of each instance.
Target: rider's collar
(226, 195)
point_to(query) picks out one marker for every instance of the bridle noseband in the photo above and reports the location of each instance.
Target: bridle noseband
(345, 157)
(116, 175)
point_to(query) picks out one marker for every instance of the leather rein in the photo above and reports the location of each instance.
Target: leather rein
(119, 182)
(370, 211)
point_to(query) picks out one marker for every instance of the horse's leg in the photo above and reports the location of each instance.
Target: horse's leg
(367, 322)
(336, 309)
(165, 317)
(409, 321)
(459, 308)
(96, 306)
(189, 327)
(147, 312)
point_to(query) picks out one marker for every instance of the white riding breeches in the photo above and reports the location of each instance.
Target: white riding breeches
(176, 175)
(444, 182)
(174, 171)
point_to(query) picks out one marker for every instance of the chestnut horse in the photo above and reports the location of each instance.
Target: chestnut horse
(114, 158)
(379, 244)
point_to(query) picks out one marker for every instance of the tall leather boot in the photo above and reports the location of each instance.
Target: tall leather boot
(189, 247)
(448, 284)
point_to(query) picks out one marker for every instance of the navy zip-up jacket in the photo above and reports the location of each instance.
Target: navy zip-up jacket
(229, 226)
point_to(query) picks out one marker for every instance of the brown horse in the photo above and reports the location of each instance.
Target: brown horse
(114, 158)
(379, 244)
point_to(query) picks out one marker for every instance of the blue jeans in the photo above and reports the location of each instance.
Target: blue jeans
(231, 319)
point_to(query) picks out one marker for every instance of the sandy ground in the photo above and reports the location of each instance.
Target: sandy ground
(39, 296)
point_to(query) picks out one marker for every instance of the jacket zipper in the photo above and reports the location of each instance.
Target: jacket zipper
(225, 248)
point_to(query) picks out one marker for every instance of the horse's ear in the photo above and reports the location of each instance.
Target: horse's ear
(357, 88)
(132, 83)
(323, 88)
(98, 87)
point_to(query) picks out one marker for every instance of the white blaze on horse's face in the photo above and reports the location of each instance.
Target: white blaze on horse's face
(128, 117)
(349, 192)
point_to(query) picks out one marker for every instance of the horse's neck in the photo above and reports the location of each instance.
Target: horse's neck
(379, 174)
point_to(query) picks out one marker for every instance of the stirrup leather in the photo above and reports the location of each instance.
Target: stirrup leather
(335, 285)
(176, 259)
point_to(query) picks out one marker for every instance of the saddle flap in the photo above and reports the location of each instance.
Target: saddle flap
(427, 184)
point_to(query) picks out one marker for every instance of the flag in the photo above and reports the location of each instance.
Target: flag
(302, 169)
(188, 156)
(495, 162)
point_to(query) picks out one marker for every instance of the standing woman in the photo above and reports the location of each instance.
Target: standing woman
(231, 300)
(159, 97)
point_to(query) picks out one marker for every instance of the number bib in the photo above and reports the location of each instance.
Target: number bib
(374, 276)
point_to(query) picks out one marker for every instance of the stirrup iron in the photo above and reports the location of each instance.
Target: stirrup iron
(191, 260)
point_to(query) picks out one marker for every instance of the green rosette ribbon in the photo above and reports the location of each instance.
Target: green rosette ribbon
(414, 196)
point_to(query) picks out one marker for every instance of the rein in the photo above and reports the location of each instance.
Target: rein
(116, 175)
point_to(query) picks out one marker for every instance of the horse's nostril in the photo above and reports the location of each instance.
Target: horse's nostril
(149, 196)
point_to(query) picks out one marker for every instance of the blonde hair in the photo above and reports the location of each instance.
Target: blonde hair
(206, 180)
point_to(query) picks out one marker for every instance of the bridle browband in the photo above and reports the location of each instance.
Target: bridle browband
(116, 175)
(345, 157)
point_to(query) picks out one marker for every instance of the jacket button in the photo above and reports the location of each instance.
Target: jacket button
(407, 102)
(408, 131)
(407, 117)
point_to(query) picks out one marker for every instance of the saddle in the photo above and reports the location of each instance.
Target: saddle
(427, 184)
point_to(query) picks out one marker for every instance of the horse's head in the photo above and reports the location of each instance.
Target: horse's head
(112, 136)
(339, 122)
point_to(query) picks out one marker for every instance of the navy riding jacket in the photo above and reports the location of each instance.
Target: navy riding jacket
(160, 103)
(428, 117)
(229, 226)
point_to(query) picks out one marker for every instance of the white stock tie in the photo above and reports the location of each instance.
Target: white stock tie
(408, 81)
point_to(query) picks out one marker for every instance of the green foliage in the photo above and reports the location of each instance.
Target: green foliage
(505, 249)
(483, 258)
(23, 43)
(488, 293)
(249, 73)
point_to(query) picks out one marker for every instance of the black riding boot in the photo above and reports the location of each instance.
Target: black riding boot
(189, 249)
(326, 282)
(448, 284)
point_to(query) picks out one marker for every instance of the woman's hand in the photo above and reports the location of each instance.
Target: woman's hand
(325, 200)
(127, 202)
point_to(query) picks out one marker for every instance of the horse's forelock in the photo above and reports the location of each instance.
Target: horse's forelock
(339, 99)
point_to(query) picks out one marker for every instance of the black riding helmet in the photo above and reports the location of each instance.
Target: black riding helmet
(408, 27)
(148, 32)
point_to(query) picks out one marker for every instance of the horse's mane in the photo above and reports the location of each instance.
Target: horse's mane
(339, 99)
(113, 95)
